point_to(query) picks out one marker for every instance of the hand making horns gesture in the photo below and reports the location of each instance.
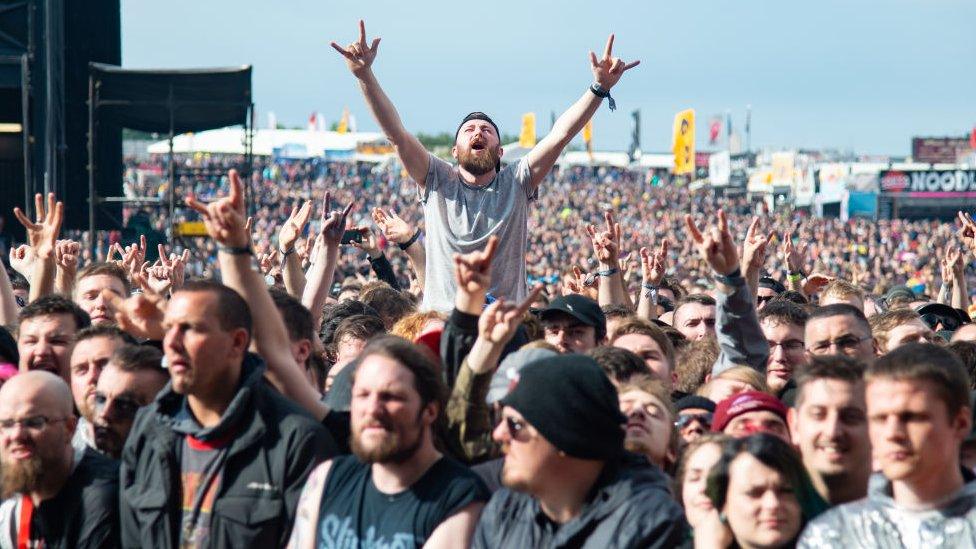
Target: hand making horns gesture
(606, 70)
(359, 56)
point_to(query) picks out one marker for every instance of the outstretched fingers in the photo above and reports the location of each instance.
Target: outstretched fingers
(693, 229)
(489, 253)
(523, 307)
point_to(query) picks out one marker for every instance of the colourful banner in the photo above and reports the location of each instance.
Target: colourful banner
(527, 137)
(683, 142)
(588, 137)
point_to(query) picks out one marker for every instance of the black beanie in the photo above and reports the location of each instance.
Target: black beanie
(478, 115)
(572, 403)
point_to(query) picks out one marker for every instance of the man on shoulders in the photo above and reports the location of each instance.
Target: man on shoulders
(467, 204)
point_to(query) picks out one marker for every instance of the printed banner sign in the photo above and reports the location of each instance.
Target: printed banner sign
(929, 183)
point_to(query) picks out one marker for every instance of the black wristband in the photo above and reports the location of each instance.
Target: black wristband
(232, 250)
(730, 279)
(410, 242)
(609, 272)
(288, 253)
(602, 93)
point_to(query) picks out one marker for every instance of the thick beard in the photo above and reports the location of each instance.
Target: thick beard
(22, 476)
(478, 164)
(391, 450)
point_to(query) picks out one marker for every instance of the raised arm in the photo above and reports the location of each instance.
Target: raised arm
(66, 255)
(606, 246)
(653, 268)
(291, 267)
(740, 338)
(397, 230)
(224, 220)
(43, 237)
(606, 72)
(8, 302)
(359, 57)
(324, 263)
(754, 254)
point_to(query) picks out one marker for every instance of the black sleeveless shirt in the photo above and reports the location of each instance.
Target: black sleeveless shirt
(354, 513)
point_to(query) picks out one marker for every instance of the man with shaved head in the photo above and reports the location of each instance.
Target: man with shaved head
(54, 495)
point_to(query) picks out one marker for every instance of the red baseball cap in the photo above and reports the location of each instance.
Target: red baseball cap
(746, 401)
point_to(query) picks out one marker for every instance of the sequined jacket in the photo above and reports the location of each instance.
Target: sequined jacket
(877, 522)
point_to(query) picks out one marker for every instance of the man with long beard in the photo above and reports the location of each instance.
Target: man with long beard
(397, 489)
(55, 495)
(466, 205)
(568, 482)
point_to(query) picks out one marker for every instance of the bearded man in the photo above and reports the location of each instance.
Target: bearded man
(55, 495)
(396, 489)
(467, 204)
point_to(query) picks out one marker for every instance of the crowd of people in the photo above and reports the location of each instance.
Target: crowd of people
(480, 355)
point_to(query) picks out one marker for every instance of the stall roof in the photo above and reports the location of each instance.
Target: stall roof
(231, 141)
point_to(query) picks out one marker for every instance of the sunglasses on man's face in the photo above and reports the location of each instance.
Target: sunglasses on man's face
(949, 323)
(687, 419)
(516, 428)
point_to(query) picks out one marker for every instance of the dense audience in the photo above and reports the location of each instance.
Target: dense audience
(741, 378)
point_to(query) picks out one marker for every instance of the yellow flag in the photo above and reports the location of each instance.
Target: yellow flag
(588, 137)
(527, 137)
(344, 122)
(683, 144)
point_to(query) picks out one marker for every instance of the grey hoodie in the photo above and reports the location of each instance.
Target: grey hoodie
(878, 522)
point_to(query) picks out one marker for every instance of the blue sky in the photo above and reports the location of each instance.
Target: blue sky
(865, 75)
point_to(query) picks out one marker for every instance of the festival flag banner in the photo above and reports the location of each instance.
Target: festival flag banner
(343, 126)
(714, 129)
(527, 137)
(683, 142)
(588, 137)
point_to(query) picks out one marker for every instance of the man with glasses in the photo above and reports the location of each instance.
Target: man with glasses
(567, 480)
(694, 417)
(840, 329)
(782, 324)
(56, 495)
(829, 425)
(465, 205)
(894, 328)
(131, 379)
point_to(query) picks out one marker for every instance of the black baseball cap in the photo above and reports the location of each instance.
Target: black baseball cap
(581, 308)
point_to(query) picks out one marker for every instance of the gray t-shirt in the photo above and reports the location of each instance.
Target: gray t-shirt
(460, 218)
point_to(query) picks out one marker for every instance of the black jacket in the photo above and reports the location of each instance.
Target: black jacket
(460, 333)
(275, 448)
(630, 506)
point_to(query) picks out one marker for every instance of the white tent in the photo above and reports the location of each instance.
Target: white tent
(599, 158)
(231, 141)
